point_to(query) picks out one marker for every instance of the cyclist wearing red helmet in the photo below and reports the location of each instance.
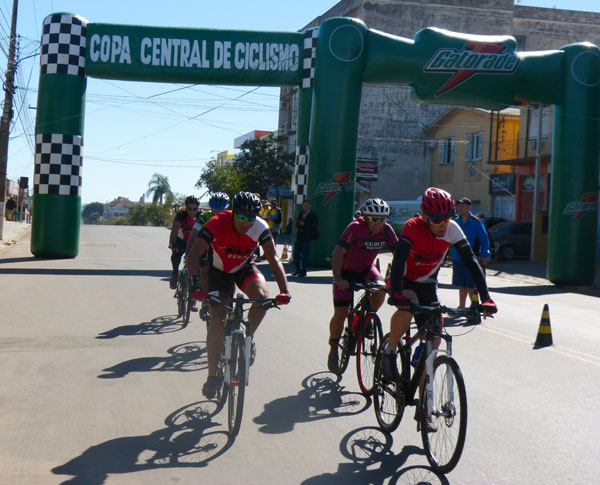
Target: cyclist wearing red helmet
(422, 246)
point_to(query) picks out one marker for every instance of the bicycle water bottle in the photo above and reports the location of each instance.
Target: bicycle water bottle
(417, 354)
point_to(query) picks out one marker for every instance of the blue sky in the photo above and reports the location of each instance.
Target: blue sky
(133, 130)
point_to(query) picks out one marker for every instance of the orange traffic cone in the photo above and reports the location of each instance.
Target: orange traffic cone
(284, 254)
(544, 336)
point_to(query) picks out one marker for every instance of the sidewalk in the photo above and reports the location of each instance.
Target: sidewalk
(527, 270)
(13, 231)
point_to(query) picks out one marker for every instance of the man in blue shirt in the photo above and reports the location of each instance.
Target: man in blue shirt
(478, 239)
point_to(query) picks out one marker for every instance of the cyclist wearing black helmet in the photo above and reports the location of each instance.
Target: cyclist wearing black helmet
(218, 202)
(233, 236)
(180, 232)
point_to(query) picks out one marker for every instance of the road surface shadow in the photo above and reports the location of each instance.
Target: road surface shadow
(156, 326)
(187, 440)
(188, 357)
(322, 397)
(372, 461)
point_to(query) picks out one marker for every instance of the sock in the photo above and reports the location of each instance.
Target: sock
(333, 344)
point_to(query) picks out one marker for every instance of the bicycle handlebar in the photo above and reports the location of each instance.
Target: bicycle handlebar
(475, 308)
(265, 302)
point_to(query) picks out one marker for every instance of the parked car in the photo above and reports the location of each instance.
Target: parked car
(511, 240)
(490, 222)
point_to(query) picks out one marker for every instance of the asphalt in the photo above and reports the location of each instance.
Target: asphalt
(521, 270)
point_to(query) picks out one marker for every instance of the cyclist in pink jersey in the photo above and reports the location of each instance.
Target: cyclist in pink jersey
(422, 246)
(233, 237)
(352, 262)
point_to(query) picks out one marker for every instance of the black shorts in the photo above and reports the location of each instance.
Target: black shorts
(225, 283)
(421, 294)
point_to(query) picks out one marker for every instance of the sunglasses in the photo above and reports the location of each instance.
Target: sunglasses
(192, 209)
(244, 218)
(439, 222)
(376, 219)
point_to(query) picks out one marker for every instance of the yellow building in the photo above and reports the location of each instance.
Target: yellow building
(466, 144)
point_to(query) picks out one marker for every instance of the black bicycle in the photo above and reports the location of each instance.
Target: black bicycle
(441, 408)
(361, 337)
(183, 294)
(233, 368)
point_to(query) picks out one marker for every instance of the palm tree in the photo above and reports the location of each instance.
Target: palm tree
(159, 187)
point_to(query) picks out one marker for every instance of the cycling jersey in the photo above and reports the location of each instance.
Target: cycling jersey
(419, 255)
(186, 223)
(362, 247)
(202, 219)
(230, 250)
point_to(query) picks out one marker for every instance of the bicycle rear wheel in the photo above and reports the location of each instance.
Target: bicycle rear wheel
(237, 383)
(347, 343)
(369, 337)
(187, 288)
(444, 446)
(388, 398)
(180, 294)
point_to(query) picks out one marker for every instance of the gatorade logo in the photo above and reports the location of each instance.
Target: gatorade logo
(339, 182)
(475, 58)
(588, 203)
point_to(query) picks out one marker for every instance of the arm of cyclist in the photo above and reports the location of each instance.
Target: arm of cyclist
(337, 263)
(397, 274)
(191, 240)
(466, 253)
(270, 252)
(173, 235)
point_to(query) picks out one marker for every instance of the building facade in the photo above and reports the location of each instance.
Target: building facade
(393, 128)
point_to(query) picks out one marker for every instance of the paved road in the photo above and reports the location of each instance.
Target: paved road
(101, 384)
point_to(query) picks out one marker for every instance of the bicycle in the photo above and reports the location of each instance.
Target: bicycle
(442, 415)
(361, 337)
(233, 368)
(183, 294)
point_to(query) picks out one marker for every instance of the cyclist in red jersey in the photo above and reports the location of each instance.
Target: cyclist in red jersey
(233, 237)
(180, 232)
(422, 246)
(352, 262)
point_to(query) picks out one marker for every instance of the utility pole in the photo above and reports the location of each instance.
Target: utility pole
(7, 112)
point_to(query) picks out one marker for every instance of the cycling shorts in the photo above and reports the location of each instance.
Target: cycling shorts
(344, 298)
(420, 294)
(225, 283)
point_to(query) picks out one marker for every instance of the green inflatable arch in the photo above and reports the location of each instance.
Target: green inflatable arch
(330, 65)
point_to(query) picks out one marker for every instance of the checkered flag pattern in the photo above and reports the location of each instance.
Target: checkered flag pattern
(63, 45)
(310, 56)
(301, 175)
(58, 164)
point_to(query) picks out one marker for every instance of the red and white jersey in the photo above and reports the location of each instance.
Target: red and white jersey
(230, 250)
(427, 251)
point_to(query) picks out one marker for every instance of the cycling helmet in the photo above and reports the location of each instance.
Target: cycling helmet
(190, 199)
(246, 203)
(437, 204)
(375, 207)
(219, 201)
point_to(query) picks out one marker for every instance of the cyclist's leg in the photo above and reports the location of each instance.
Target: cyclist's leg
(252, 282)
(377, 296)
(176, 256)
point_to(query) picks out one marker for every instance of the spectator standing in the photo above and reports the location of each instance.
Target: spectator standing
(307, 230)
(11, 205)
(274, 218)
(477, 237)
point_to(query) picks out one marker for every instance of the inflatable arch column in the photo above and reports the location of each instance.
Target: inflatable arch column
(59, 138)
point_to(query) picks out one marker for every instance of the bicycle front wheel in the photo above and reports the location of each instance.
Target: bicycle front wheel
(444, 442)
(388, 398)
(237, 383)
(370, 336)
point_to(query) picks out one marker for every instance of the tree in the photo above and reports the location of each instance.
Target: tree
(92, 212)
(258, 165)
(263, 164)
(221, 179)
(158, 187)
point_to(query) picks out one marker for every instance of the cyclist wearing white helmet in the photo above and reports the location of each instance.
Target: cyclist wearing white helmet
(353, 262)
